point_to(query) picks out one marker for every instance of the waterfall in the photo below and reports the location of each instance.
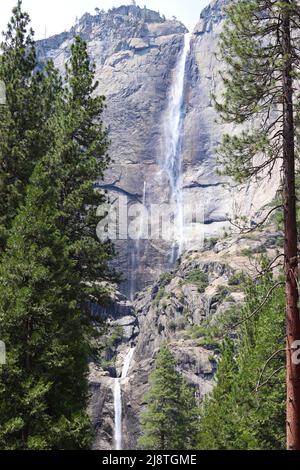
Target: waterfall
(172, 162)
(117, 392)
(127, 362)
(118, 414)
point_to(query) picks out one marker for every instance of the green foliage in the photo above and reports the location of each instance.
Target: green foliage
(254, 54)
(165, 279)
(181, 323)
(43, 386)
(247, 407)
(110, 341)
(170, 419)
(116, 334)
(75, 162)
(236, 279)
(30, 102)
(258, 58)
(247, 252)
(53, 268)
(209, 243)
(210, 333)
(163, 282)
(222, 293)
(197, 278)
(172, 325)
(159, 296)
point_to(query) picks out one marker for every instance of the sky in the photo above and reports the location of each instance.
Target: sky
(54, 16)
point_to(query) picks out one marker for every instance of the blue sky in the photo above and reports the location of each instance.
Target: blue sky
(55, 16)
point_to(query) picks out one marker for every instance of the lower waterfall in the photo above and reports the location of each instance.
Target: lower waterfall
(118, 414)
(117, 392)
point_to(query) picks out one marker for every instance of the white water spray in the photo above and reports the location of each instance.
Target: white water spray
(118, 414)
(117, 392)
(127, 362)
(172, 163)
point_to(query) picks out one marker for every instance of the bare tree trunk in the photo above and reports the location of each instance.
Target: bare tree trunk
(290, 230)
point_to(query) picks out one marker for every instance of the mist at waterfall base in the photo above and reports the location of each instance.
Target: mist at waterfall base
(117, 392)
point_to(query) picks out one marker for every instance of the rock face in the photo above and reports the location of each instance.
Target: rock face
(203, 132)
(180, 308)
(164, 312)
(135, 52)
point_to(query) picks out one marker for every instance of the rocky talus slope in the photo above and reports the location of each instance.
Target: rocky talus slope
(135, 52)
(182, 307)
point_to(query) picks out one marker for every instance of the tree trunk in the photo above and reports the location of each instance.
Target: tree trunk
(291, 255)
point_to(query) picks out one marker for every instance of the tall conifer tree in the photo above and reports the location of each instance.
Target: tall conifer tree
(78, 159)
(260, 47)
(53, 265)
(43, 385)
(30, 98)
(246, 410)
(170, 419)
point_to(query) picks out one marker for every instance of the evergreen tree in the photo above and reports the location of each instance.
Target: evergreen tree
(246, 410)
(77, 160)
(43, 386)
(30, 101)
(170, 419)
(259, 46)
(54, 265)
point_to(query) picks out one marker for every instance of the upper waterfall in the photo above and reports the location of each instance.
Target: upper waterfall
(172, 141)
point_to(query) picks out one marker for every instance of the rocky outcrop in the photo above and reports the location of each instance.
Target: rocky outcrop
(180, 308)
(171, 311)
(101, 410)
(168, 311)
(211, 17)
(203, 132)
(121, 331)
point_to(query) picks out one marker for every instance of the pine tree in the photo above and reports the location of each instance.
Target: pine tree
(53, 266)
(259, 47)
(78, 159)
(170, 419)
(43, 386)
(30, 98)
(246, 408)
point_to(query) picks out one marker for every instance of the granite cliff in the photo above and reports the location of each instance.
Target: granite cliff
(186, 307)
(135, 52)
